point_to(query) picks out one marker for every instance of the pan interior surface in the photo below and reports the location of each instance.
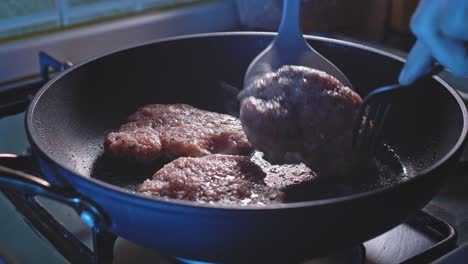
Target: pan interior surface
(385, 169)
(70, 118)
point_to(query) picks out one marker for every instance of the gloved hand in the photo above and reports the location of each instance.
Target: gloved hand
(441, 29)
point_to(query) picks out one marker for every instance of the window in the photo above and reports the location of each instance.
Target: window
(78, 30)
(26, 17)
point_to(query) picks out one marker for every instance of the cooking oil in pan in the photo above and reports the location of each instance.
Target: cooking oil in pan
(386, 169)
(122, 173)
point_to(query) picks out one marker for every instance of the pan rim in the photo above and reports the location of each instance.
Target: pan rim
(33, 135)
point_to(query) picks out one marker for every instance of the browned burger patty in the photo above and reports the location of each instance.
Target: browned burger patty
(217, 178)
(299, 114)
(172, 131)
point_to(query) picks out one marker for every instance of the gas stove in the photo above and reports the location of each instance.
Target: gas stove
(38, 230)
(421, 239)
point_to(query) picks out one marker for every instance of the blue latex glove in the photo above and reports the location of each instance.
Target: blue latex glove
(441, 29)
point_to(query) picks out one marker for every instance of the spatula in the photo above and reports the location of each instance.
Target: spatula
(290, 48)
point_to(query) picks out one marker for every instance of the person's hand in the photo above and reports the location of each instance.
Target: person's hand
(441, 29)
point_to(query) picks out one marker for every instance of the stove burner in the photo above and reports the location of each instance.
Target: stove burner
(126, 252)
(355, 255)
(188, 261)
(421, 239)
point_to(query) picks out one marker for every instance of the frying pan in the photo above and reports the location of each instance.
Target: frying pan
(70, 116)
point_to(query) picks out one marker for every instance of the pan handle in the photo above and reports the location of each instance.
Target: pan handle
(27, 183)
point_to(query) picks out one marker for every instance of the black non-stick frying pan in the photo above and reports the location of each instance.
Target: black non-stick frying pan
(70, 116)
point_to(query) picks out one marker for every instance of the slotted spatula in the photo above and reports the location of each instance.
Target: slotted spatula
(290, 48)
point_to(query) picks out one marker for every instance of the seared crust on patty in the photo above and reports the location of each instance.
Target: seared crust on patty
(217, 178)
(171, 131)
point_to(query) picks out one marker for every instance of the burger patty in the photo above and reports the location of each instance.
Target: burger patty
(298, 114)
(171, 131)
(217, 178)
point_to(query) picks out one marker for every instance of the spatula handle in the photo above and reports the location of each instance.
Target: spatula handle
(290, 21)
